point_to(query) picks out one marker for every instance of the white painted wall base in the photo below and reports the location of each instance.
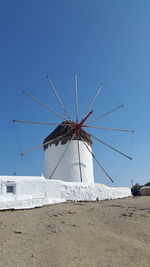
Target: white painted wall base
(68, 169)
(25, 192)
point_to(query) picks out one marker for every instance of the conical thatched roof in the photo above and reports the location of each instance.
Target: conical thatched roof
(62, 130)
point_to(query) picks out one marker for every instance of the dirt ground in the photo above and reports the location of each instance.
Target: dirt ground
(110, 233)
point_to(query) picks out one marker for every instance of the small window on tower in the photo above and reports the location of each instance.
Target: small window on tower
(10, 189)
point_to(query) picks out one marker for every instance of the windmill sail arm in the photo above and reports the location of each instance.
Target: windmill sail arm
(84, 119)
(58, 97)
(102, 168)
(44, 144)
(43, 104)
(76, 95)
(111, 147)
(94, 99)
(38, 122)
(105, 114)
(78, 147)
(62, 156)
(109, 129)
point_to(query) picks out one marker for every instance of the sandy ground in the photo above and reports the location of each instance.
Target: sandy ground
(106, 233)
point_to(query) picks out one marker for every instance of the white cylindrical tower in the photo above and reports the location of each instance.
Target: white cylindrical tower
(73, 165)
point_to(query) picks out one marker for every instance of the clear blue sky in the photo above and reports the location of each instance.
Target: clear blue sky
(103, 41)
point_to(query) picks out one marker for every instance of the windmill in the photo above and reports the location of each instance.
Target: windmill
(68, 149)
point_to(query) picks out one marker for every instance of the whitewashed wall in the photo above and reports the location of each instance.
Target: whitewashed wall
(68, 168)
(24, 186)
(31, 191)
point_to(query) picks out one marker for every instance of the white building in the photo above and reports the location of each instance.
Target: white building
(76, 164)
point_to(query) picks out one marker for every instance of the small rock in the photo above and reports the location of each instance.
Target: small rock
(124, 214)
(75, 225)
(17, 232)
(49, 226)
(61, 214)
(71, 212)
(130, 214)
(57, 230)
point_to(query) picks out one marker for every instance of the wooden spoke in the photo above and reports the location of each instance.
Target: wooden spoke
(78, 146)
(76, 95)
(94, 99)
(102, 168)
(58, 97)
(38, 122)
(44, 105)
(123, 154)
(62, 156)
(105, 114)
(39, 146)
(109, 129)
(84, 119)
